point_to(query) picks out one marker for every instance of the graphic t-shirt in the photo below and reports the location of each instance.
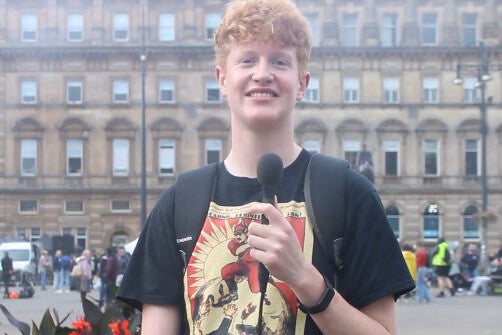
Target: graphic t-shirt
(221, 281)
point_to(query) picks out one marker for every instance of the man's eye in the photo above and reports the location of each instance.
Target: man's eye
(247, 61)
(281, 62)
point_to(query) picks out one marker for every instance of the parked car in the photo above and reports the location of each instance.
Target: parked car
(25, 257)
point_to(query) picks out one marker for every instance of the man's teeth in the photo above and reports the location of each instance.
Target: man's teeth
(261, 95)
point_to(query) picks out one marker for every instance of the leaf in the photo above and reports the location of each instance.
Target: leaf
(24, 328)
(92, 313)
(34, 329)
(47, 325)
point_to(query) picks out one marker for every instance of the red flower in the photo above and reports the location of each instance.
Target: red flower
(120, 327)
(81, 326)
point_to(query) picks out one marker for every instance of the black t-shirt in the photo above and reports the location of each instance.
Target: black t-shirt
(219, 286)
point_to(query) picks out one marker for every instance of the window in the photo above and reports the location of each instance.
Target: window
(431, 154)
(312, 92)
(35, 234)
(213, 148)
(166, 27)
(350, 30)
(212, 91)
(351, 151)
(74, 92)
(431, 90)
(28, 157)
(120, 27)
(75, 27)
(391, 90)
(472, 157)
(431, 222)
(28, 206)
(316, 29)
(394, 219)
(311, 146)
(212, 21)
(167, 154)
(74, 156)
(389, 36)
(350, 90)
(391, 156)
(166, 91)
(74, 206)
(28, 92)
(29, 28)
(120, 91)
(471, 227)
(120, 157)
(429, 29)
(469, 30)
(120, 206)
(81, 237)
(470, 89)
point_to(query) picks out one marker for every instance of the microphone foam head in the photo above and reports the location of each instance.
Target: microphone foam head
(269, 169)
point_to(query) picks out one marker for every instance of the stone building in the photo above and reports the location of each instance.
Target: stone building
(78, 76)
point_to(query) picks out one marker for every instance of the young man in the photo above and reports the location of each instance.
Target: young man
(262, 50)
(7, 270)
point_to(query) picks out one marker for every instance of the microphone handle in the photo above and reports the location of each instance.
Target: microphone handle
(263, 273)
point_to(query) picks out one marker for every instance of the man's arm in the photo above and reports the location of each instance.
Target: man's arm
(160, 320)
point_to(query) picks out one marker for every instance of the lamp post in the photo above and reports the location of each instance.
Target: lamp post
(482, 72)
(142, 58)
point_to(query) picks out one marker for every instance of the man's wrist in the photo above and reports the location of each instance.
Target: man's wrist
(323, 303)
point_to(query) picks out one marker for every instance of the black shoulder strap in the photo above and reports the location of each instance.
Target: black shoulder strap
(327, 176)
(191, 201)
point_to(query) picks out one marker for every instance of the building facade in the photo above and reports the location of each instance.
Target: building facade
(83, 80)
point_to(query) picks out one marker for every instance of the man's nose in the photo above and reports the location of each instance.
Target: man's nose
(262, 72)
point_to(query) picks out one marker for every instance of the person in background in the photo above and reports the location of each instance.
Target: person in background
(66, 264)
(56, 271)
(411, 263)
(423, 293)
(110, 274)
(102, 288)
(7, 271)
(442, 264)
(471, 260)
(44, 267)
(123, 258)
(85, 263)
(262, 51)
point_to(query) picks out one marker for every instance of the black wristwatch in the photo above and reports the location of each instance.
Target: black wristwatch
(323, 303)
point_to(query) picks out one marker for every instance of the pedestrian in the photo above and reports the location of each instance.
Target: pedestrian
(471, 260)
(44, 268)
(109, 274)
(102, 287)
(85, 264)
(441, 260)
(262, 50)
(56, 271)
(411, 263)
(123, 258)
(423, 293)
(7, 272)
(66, 264)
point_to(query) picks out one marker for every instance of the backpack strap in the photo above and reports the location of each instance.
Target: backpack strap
(191, 203)
(327, 175)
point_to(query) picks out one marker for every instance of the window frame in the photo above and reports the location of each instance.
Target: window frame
(28, 150)
(392, 146)
(427, 151)
(389, 33)
(27, 87)
(351, 90)
(74, 87)
(212, 147)
(167, 86)
(121, 166)
(120, 88)
(74, 153)
(29, 28)
(75, 26)
(430, 28)
(167, 27)
(120, 23)
(167, 145)
(350, 30)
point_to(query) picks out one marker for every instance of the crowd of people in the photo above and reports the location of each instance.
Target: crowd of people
(90, 270)
(435, 266)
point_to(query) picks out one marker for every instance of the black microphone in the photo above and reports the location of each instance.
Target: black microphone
(269, 172)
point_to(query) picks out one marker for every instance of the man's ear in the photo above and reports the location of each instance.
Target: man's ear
(220, 78)
(304, 83)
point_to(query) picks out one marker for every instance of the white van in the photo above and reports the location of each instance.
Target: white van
(25, 257)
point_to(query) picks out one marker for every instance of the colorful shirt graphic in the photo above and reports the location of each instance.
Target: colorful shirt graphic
(221, 281)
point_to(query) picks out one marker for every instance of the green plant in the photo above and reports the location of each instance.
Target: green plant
(118, 319)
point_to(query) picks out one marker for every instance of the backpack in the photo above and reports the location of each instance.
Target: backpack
(447, 256)
(326, 173)
(65, 262)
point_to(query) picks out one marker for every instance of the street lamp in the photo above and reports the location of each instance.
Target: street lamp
(142, 59)
(482, 72)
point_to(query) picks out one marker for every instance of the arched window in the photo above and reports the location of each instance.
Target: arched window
(431, 222)
(394, 220)
(471, 228)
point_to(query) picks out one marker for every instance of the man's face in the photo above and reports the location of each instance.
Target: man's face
(260, 81)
